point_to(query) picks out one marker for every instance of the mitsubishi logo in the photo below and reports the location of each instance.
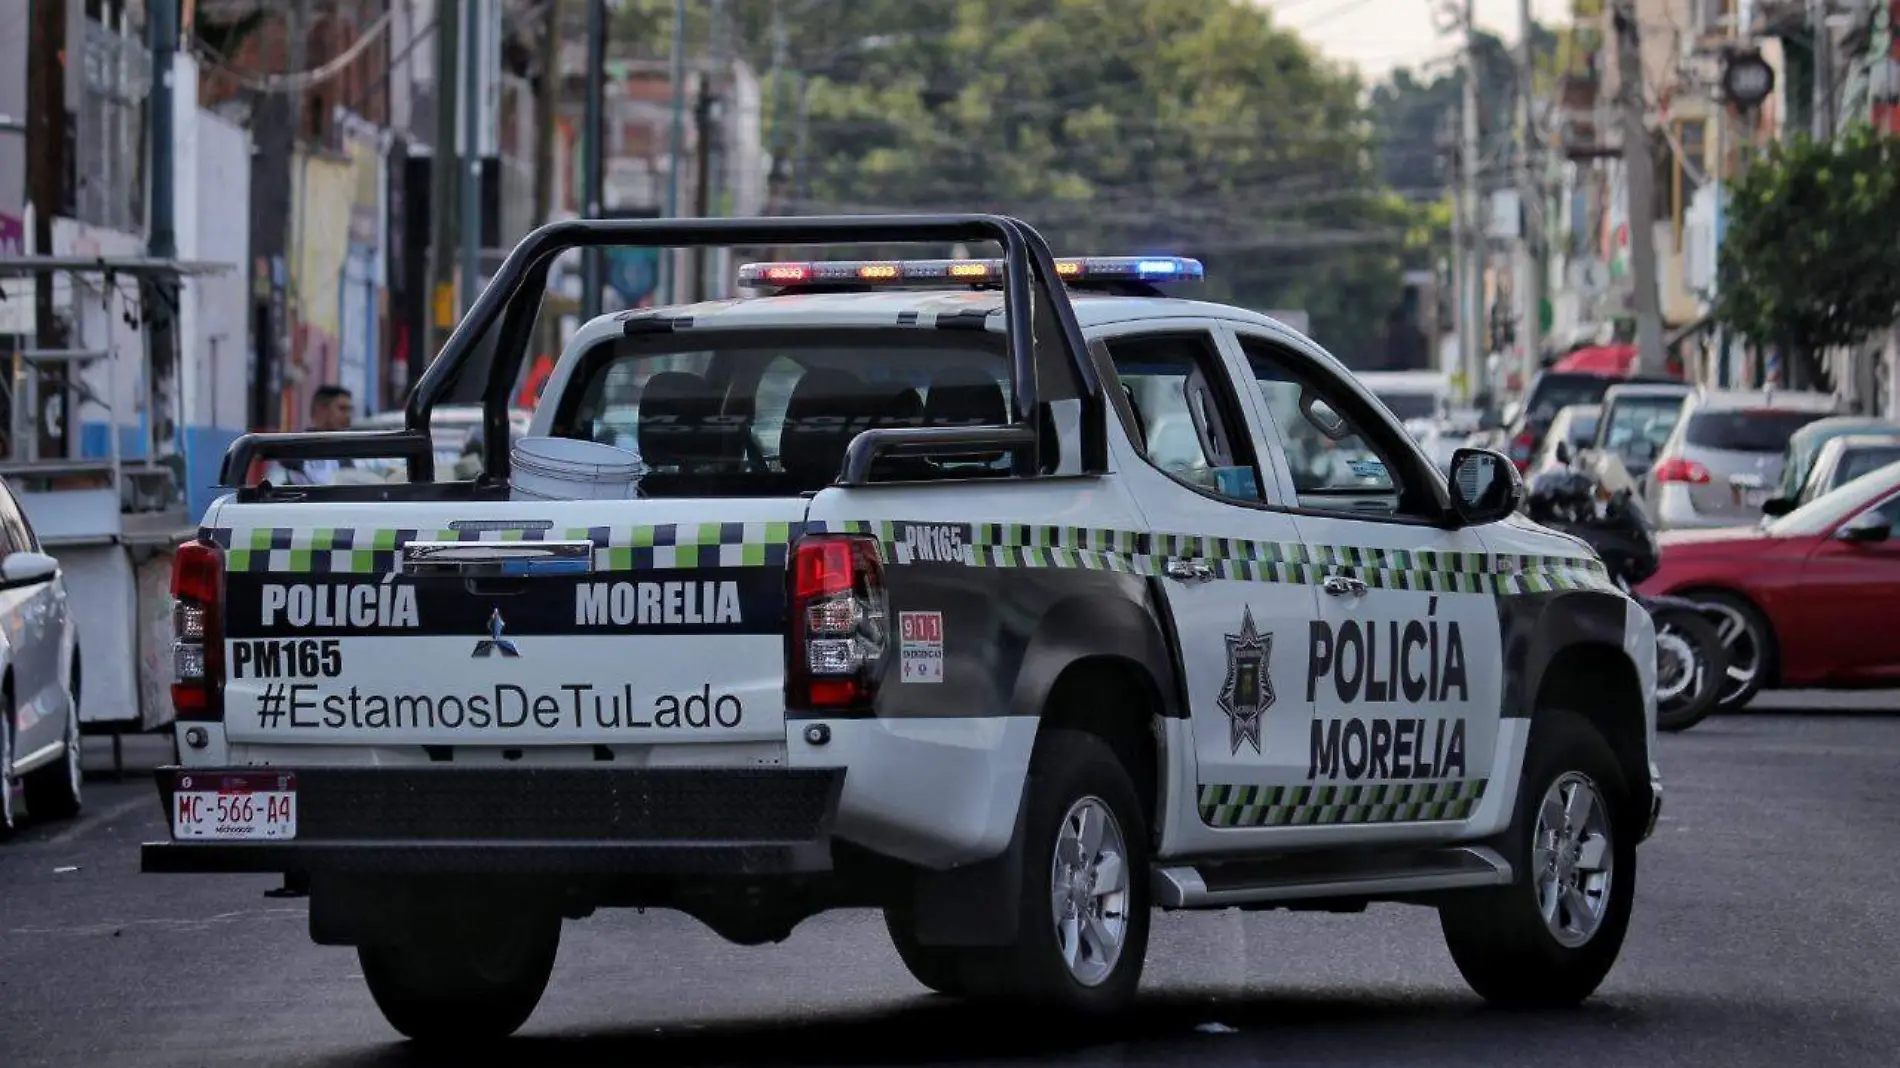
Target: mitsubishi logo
(495, 643)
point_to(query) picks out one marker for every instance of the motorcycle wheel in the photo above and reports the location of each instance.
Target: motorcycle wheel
(1691, 668)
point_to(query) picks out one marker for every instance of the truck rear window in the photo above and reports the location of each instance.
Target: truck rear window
(1748, 430)
(770, 413)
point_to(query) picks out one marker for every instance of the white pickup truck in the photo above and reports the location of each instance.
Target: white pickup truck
(1012, 597)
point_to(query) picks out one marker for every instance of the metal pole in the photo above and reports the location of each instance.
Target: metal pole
(1471, 293)
(1530, 202)
(442, 171)
(702, 178)
(676, 149)
(161, 295)
(1822, 121)
(1640, 174)
(594, 167)
(473, 41)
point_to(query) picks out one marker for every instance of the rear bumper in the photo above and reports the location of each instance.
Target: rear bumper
(529, 820)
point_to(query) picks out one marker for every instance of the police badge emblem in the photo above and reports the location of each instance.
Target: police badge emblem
(1247, 691)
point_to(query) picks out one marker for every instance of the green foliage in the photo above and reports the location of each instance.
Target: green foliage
(1810, 258)
(1197, 127)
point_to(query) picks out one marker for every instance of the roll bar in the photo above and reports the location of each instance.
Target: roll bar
(513, 299)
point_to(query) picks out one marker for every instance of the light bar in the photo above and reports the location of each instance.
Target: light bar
(899, 272)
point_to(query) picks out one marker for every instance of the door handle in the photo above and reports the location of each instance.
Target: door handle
(1189, 571)
(496, 559)
(1343, 585)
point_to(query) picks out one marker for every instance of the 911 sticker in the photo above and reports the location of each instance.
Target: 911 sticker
(920, 646)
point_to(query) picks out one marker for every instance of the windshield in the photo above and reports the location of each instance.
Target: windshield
(1552, 395)
(770, 413)
(1747, 430)
(1639, 425)
(1826, 511)
(1864, 460)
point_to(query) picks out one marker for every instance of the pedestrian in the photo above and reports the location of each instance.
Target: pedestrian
(331, 408)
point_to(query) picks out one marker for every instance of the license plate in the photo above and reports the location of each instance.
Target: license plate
(235, 807)
(1754, 498)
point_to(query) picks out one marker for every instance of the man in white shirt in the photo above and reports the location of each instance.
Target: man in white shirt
(331, 408)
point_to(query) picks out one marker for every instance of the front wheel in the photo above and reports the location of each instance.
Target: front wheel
(1691, 668)
(1548, 938)
(1085, 894)
(467, 974)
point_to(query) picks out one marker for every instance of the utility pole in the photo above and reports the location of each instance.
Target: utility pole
(1530, 197)
(442, 171)
(547, 110)
(46, 191)
(473, 41)
(669, 258)
(1639, 172)
(160, 297)
(1471, 289)
(1822, 121)
(1460, 227)
(594, 168)
(702, 177)
(712, 130)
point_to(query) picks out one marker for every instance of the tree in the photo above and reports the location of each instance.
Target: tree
(1809, 261)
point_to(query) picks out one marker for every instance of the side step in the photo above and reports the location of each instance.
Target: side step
(1313, 876)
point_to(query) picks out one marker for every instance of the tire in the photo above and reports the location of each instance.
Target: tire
(1498, 937)
(1074, 780)
(10, 807)
(56, 790)
(941, 968)
(1748, 645)
(472, 972)
(1702, 643)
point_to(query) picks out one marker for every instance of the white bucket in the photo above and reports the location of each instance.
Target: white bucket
(569, 469)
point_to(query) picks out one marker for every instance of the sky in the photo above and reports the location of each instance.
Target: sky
(1378, 35)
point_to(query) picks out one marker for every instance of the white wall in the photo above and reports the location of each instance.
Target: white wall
(214, 225)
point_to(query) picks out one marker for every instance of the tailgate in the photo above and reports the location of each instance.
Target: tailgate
(506, 623)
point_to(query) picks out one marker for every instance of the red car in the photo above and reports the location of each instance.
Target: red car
(1810, 600)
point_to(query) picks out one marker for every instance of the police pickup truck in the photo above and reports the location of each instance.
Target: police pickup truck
(1012, 597)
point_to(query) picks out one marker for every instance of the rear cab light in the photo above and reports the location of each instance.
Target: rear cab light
(840, 624)
(198, 632)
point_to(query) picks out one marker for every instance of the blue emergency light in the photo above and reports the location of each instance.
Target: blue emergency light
(818, 273)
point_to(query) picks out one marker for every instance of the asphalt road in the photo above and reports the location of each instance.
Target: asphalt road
(1765, 934)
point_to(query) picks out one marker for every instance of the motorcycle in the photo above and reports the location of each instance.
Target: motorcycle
(1691, 665)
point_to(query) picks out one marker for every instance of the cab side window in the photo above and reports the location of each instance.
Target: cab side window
(1337, 466)
(1187, 421)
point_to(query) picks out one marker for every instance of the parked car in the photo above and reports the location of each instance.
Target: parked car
(1637, 419)
(1550, 393)
(1410, 395)
(1725, 456)
(39, 654)
(1573, 429)
(1807, 599)
(1804, 448)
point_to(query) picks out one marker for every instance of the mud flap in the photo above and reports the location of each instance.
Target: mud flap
(978, 904)
(360, 910)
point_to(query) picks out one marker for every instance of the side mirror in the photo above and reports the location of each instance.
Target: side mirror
(1864, 529)
(1485, 486)
(1775, 507)
(26, 569)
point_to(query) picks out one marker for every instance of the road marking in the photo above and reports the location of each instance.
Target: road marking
(88, 822)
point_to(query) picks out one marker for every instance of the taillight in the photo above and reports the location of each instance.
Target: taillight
(1680, 470)
(1522, 447)
(198, 632)
(839, 632)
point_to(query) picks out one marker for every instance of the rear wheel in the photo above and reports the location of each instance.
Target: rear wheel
(1691, 670)
(1548, 938)
(9, 801)
(470, 972)
(1085, 904)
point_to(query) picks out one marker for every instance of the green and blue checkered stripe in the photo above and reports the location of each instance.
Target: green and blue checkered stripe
(1336, 805)
(667, 546)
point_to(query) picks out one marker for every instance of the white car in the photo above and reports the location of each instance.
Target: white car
(39, 679)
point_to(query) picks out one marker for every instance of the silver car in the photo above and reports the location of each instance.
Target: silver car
(1724, 457)
(1842, 460)
(39, 656)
